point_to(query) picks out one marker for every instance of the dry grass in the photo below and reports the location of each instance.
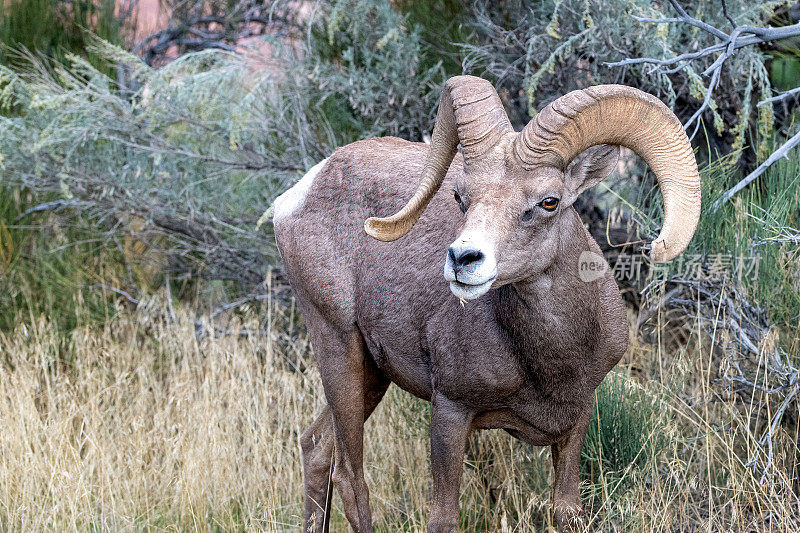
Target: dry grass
(141, 426)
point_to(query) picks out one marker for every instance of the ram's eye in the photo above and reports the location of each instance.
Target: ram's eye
(460, 201)
(549, 203)
(527, 215)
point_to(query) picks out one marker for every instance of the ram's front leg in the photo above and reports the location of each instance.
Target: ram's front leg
(450, 425)
(566, 465)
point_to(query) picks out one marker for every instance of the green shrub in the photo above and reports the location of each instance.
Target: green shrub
(55, 28)
(370, 56)
(444, 28)
(52, 268)
(626, 431)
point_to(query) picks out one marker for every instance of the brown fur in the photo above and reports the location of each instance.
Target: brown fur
(525, 357)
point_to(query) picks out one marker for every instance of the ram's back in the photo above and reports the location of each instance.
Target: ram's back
(340, 273)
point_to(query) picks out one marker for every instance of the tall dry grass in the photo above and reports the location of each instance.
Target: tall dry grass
(138, 425)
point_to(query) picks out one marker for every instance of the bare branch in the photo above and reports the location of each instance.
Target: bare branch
(205, 25)
(56, 205)
(706, 102)
(779, 98)
(777, 154)
(238, 303)
(725, 13)
(684, 17)
(781, 233)
(689, 56)
(127, 296)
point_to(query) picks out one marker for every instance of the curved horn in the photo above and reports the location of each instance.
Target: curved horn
(615, 114)
(470, 112)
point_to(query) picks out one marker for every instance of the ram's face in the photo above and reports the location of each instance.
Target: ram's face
(511, 220)
(507, 231)
(518, 187)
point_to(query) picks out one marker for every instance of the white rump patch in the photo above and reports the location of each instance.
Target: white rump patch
(291, 200)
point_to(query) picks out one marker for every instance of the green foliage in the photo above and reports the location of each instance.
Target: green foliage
(199, 148)
(627, 430)
(443, 29)
(197, 153)
(785, 65)
(51, 269)
(785, 71)
(56, 28)
(371, 58)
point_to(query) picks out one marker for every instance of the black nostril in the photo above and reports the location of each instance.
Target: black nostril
(452, 255)
(468, 257)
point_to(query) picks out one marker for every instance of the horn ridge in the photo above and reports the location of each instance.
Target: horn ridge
(616, 114)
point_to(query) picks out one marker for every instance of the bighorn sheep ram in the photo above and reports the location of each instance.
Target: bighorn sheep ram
(528, 351)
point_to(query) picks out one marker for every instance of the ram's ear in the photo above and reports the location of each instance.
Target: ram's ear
(588, 169)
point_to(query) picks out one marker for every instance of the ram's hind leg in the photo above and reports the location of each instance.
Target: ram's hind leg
(317, 445)
(353, 387)
(353, 391)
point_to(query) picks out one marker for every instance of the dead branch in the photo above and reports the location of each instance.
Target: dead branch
(55, 206)
(782, 95)
(774, 156)
(779, 232)
(753, 364)
(103, 286)
(206, 25)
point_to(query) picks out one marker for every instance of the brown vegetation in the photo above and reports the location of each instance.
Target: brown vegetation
(139, 425)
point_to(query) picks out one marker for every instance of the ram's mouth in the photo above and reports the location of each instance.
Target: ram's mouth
(467, 291)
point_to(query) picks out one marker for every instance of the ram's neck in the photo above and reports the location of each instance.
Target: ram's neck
(553, 314)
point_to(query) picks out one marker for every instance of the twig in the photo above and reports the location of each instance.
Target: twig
(237, 303)
(780, 232)
(127, 296)
(782, 96)
(777, 154)
(645, 314)
(203, 30)
(706, 102)
(725, 13)
(201, 326)
(56, 205)
(684, 17)
(688, 56)
(766, 440)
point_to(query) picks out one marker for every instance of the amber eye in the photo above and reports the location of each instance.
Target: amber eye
(549, 203)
